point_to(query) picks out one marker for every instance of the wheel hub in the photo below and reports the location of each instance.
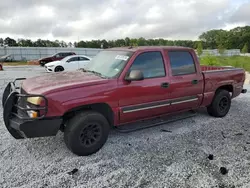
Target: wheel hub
(223, 104)
(90, 134)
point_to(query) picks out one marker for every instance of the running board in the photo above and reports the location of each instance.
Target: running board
(131, 127)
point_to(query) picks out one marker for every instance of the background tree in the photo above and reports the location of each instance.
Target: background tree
(127, 41)
(10, 42)
(105, 44)
(1, 42)
(199, 48)
(70, 44)
(245, 49)
(213, 39)
(221, 49)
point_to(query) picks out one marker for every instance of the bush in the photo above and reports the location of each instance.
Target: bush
(209, 60)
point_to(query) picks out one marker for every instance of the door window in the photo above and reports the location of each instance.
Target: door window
(57, 55)
(83, 59)
(150, 63)
(181, 62)
(73, 59)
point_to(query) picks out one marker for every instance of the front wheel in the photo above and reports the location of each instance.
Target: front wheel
(220, 105)
(86, 133)
(59, 69)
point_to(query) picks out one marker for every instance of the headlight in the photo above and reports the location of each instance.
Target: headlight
(51, 66)
(35, 100)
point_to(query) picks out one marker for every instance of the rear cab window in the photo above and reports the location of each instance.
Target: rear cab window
(150, 63)
(181, 63)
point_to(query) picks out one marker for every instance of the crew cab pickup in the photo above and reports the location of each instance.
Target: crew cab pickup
(120, 86)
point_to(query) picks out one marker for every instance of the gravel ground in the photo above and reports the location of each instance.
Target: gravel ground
(147, 158)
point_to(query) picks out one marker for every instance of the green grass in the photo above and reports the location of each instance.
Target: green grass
(235, 61)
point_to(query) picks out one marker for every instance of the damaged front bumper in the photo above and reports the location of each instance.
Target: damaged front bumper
(17, 121)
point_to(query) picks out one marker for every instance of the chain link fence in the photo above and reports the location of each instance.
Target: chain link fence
(33, 53)
(215, 52)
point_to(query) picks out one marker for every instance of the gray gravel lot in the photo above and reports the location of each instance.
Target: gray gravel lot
(147, 158)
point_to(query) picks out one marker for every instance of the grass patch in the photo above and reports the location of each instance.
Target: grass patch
(235, 61)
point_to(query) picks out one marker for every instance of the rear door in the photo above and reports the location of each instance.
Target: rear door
(83, 61)
(146, 98)
(71, 64)
(186, 80)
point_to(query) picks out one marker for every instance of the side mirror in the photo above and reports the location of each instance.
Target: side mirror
(134, 75)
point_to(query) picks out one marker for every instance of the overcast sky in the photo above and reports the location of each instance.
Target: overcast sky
(71, 20)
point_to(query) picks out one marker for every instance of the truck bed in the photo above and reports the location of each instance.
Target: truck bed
(215, 77)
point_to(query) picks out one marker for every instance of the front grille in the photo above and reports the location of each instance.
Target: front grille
(22, 91)
(22, 102)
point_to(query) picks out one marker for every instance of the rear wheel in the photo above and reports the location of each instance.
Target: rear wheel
(86, 133)
(59, 69)
(220, 105)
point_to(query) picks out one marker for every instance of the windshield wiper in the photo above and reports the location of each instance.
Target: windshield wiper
(94, 72)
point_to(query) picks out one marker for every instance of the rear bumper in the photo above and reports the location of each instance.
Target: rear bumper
(16, 118)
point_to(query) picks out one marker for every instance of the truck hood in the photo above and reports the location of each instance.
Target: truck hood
(44, 58)
(60, 81)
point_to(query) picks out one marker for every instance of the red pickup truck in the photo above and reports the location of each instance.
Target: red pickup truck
(120, 87)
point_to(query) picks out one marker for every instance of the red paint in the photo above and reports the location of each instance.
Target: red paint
(68, 90)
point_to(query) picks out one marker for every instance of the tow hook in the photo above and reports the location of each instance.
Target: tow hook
(243, 90)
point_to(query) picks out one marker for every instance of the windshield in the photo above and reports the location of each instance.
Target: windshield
(109, 63)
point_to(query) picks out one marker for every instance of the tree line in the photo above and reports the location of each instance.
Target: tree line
(237, 38)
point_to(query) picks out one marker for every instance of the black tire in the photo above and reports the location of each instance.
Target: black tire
(220, 105)
(86, 133)
(59, 69)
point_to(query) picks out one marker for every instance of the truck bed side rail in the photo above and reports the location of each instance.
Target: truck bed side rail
(218, 69)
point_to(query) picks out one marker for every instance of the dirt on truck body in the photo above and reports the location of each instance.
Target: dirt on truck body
(120, 87)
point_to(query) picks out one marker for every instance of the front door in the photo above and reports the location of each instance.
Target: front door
(149, 97)
(186, 80)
